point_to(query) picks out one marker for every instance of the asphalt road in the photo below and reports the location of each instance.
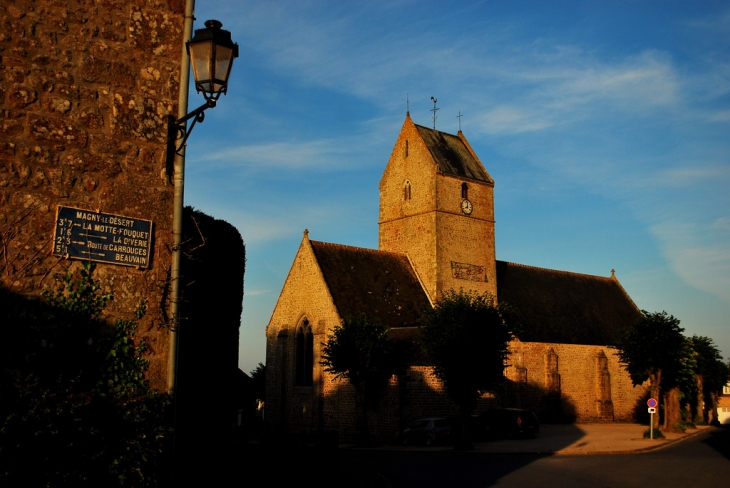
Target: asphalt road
(701, 461)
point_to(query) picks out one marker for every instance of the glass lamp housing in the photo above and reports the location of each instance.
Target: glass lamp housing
(211, 52)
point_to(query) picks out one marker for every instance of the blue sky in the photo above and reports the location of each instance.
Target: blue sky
(605, 125)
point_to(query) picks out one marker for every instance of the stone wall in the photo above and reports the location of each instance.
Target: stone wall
(571, 382)
(420, 215)
(86, 89)
(304, 297)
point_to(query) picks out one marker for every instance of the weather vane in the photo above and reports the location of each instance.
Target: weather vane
(434, 112)
(459, 117)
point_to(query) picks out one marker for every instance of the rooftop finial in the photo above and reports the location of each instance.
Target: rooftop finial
(306, 233)
(408, 105)
(613, 273)
(459, 117)
(434, 112)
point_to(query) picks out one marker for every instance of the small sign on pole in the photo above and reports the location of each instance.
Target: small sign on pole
(652, 403)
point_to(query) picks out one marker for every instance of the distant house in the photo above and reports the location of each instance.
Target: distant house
(436, 233)
(723, 405)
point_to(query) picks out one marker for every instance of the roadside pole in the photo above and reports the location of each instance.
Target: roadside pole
(652, 403)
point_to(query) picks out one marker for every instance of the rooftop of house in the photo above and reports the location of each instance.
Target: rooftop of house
(380, 284)
(452, 155)
(564, 307)
(552, 306)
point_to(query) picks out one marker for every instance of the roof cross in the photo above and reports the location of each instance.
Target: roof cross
(459, 117)
(434, 112)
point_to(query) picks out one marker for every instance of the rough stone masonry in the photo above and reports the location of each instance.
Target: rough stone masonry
(86, 90)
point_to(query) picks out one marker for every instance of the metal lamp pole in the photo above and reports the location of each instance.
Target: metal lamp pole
(212, 53)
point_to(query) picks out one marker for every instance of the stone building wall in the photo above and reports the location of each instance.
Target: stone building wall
(571, 382)
(292, 408)
(420, 215)
(407, 222)
(86, 89)
(560, 382)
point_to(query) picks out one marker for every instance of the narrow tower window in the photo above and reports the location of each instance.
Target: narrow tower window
(305, 355)
(407, 190)
(464, 191)
(406, 147)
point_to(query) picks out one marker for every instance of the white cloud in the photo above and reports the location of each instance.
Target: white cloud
(510, 120)
(283, 155)
(700, 262)
(723, 116)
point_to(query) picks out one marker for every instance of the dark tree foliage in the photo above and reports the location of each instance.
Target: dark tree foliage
(466, 337)
(212, 271)
(712, 371)
(258, 375)
(74, 403)
(361, 351)
(654, 349)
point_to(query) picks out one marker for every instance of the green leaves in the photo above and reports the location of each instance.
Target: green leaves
(653, 346)
(467, 338)
(80, 410)
(79, 296)
(357, 348)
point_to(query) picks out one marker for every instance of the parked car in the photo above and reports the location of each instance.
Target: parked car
(507, 422)
(429, 431)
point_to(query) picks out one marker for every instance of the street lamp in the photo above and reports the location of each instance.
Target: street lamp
(212, 53)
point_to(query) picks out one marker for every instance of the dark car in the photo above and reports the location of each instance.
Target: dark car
(507, 422)
(428, 431)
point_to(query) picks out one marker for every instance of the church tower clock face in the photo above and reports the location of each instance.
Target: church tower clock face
(466, 206)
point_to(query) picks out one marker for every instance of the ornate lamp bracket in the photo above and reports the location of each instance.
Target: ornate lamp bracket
(181, 125)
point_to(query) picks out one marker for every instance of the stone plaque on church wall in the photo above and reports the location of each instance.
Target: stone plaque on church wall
(471, 272)
(101, 237)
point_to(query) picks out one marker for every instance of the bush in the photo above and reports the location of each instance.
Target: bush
(658, 434)
(76, 406)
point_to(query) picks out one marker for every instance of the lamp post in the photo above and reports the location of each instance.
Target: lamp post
(212, 53)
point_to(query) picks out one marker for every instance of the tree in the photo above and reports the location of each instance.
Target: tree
(74, 401)
(654, 349)
(712, 374)
(361, 351)
(467, 336)
(258, 376)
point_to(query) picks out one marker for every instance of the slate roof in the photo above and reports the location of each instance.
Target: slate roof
(380, 284)
(452, 155)
(563, 307)
(552, 306)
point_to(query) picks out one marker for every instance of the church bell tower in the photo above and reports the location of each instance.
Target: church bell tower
(437, 206)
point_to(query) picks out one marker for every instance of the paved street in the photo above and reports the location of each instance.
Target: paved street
(701, 460)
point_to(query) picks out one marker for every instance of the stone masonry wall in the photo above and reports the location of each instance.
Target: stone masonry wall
(290, 408)
(420, 214)
(86, 88)
(407, 221)
(586, 383)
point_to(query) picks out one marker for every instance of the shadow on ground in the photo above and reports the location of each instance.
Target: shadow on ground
(719, 440)
(288, 461)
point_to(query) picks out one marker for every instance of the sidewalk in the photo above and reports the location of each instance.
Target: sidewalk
(576, 439)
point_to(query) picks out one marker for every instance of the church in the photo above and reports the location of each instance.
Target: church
(437, 233)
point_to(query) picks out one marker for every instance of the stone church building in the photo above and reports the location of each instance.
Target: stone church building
(436, 233)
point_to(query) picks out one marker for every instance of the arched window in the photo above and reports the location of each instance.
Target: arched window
(305, 355)
(407, 190)
(464, 191)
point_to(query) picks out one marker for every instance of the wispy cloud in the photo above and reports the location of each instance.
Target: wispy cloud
(280, 155)
(696, 259)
